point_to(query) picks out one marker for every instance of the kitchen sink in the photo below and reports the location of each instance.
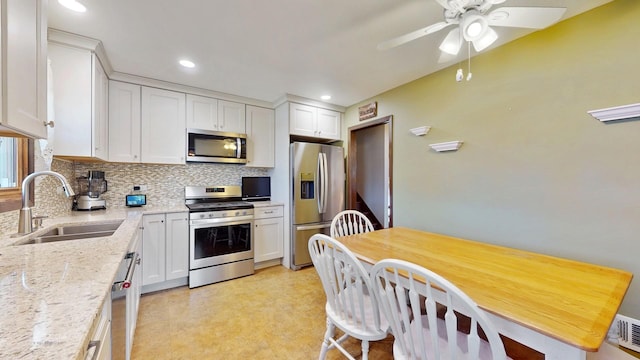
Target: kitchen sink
(73, 232)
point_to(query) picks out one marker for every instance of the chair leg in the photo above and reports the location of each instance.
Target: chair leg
(325, 343)
(365, 349)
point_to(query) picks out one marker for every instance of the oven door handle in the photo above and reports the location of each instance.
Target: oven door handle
(126, 283)
(220, 221)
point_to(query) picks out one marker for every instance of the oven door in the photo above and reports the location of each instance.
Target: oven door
(220, 241)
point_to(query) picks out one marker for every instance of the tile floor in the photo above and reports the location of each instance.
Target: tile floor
(274, 314)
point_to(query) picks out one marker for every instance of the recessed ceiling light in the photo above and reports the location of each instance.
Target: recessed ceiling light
(325, 97)
(187, 63)
(73, 5)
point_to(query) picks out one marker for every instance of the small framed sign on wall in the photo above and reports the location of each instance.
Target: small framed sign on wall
(368, 111)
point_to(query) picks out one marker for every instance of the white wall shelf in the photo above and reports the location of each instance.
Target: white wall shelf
(617, 113)
(420, 131)
(447, 146)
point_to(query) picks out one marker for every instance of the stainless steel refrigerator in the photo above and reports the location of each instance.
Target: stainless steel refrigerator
(317, 184)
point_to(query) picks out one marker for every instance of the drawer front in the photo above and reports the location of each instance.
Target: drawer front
(268, 212)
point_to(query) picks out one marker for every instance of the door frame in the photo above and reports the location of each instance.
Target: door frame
(352, 163)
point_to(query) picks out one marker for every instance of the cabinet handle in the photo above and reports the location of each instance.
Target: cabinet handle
(49, 123)
(95, 344)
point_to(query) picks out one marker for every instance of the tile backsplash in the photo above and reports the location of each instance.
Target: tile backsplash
(165, 184)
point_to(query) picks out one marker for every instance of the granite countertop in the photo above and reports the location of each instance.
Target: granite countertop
(51, 293)
(259, 204)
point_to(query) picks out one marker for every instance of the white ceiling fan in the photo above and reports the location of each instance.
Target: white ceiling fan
(474, 22)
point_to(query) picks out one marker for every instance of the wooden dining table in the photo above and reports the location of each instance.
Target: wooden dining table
(560, 307)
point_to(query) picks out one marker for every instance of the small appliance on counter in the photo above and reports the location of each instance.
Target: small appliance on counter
(91, 188)
(256, 188)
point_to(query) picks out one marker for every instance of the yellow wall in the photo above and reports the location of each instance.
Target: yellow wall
(536, 171)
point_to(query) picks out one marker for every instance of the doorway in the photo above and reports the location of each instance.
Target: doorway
(370, 167)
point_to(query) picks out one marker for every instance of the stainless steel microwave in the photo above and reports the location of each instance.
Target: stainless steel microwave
(216, 147)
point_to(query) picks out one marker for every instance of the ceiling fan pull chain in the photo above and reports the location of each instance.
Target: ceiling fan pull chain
(469, 74)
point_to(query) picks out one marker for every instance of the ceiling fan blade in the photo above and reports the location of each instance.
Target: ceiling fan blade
(525, 17)
(445, 58)
(444, 4)
(452, 42)
(403, 39)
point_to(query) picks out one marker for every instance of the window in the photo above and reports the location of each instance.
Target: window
(16, 162)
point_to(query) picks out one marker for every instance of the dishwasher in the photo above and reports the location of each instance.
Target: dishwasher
(125, 300)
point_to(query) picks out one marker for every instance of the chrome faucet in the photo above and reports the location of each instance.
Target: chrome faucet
(25, 225)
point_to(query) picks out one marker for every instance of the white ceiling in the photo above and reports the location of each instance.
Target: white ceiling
(264, 49)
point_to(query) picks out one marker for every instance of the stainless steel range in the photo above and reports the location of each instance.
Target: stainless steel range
(220, 234)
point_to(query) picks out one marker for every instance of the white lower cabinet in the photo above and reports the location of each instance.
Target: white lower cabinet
(165, 250)
(99, 347)
(269, 233)
(133, 298)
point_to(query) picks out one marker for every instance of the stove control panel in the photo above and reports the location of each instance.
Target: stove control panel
(220, 214)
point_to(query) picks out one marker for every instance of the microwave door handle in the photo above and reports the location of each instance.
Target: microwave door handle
(239, 147)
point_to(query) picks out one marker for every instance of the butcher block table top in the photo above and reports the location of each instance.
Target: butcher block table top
(571, 301)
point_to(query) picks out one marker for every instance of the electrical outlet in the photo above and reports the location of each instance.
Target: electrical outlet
(139, 187)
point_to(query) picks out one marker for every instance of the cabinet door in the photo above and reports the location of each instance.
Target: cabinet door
(177, 232)
(302, 120)
(328, 124)
(124, 122)
(260, 126)
(153, 249)
(133, 298)
(163, 126)
(71, 73)
(100, 100)
(24, 66)
(269, 239)
(202, 112)
(231, 116)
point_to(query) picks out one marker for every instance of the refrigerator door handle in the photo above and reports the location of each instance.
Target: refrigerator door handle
(325, 186)
(318, 183)
(311, 227)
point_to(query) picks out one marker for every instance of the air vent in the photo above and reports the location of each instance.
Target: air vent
(628, 332)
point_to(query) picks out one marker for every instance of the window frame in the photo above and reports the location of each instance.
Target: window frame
(11, 198)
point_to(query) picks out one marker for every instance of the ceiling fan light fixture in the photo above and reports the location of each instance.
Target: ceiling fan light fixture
(486, 40)
(474, 26)
(452, 42)
(474, 29)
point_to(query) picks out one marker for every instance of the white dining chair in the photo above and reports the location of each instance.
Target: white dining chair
(349, 305)
(419, 332)
(349, 222)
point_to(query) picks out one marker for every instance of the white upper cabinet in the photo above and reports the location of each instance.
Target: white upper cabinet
(231, 117)
(328, 124)
(215, 115)
(260, 126)
(163, 126)
(80, 88)
(146, 124)
(314, 122)
(124, 122)
(23, 74)
(202, 113)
